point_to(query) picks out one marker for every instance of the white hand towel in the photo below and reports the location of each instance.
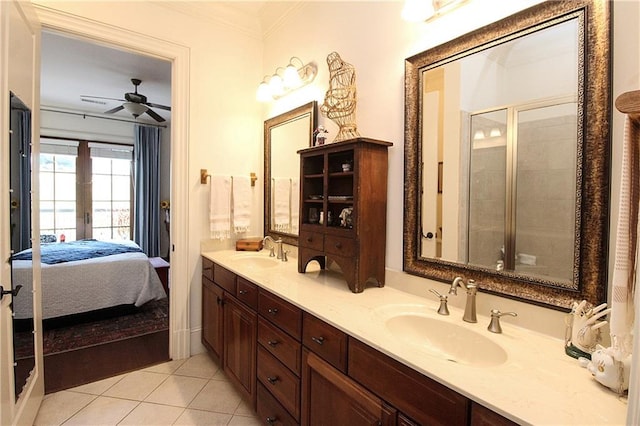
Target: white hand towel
(621, 320)
(281, 204)
(220, 207)
(241, 204)
(295, 205)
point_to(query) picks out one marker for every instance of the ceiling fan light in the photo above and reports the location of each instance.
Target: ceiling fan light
(134, 108)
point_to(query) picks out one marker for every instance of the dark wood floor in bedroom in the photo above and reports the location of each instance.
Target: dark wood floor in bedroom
(97, 349)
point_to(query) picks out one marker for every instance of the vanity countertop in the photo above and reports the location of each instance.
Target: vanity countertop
(538, 384)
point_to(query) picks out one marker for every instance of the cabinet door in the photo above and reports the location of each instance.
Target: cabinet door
(240, 335)
(212, 327)
(331, 398)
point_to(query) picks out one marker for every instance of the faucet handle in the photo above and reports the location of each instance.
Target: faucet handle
(443, 309)
(284, 255)
(494, 325)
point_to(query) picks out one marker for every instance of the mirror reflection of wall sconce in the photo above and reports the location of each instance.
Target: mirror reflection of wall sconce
(426, 10)
(285, 80)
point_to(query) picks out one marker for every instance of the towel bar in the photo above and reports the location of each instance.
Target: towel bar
(204, 176)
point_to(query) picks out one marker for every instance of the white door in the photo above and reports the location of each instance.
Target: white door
(20, 75)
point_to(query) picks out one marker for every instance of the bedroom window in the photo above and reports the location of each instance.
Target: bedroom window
(86, 190)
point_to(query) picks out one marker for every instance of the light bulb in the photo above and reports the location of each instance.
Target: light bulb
(291, 76)
(264, 92)
(275, 85)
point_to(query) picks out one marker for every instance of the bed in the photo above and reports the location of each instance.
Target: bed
(86, 276)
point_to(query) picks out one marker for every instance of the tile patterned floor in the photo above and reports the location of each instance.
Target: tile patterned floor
(184, 392)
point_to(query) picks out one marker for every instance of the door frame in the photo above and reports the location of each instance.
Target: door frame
(178, 55)
(19, 20)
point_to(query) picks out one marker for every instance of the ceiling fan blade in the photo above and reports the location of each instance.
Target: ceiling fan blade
(154, 115)
(100, 97)
(94, 101)
(158, 106)
(116, 109)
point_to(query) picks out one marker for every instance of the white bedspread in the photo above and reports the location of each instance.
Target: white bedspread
(87, 285)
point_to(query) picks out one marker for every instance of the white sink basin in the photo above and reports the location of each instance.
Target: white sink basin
(446, 340)
(255, 260)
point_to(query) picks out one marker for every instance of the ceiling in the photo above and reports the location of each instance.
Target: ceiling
(71, 67)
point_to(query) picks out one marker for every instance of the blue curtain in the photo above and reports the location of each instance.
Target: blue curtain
(146, 172)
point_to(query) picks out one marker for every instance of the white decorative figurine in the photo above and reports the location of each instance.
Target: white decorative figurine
(610, 369)
(584, 328)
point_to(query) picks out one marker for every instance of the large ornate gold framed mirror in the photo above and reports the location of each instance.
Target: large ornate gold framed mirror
(284, 135)
(507, 147)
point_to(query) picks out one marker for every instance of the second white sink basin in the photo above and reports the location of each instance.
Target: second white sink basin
(255, 260)
(453, 342)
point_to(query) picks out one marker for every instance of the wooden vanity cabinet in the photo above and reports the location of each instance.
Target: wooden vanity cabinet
(279, 358)
(240, 337)
(332, 398)
(212, 319)
(356, 241)
(295, 368)
(482, 416)
(329, 396)
(230, 325)
(420, 398)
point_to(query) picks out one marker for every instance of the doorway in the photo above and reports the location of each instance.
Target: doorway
(179, 344)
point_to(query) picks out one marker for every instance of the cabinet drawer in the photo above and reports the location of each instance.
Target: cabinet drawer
(270, 411)
(207, 268)
(247, 292)
(280, 344)
(340, 245)
(482, 416)
(419, 397)
(325, 340)
(280, 312)
(281, 382)
(311, 240)
(224, 278)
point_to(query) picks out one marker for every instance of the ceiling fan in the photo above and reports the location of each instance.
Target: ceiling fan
(135, 103)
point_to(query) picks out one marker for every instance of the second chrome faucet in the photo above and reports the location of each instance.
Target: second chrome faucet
(471, 289)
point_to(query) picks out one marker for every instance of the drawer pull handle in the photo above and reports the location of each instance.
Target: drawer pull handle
(273, 311)
(273, 379)
(338, 245)
(271, 420)
(242, 291)
(309, 239)
(273, 343)
(318, 340)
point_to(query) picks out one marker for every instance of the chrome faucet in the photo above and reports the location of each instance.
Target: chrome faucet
(472, 290)
(282, 255)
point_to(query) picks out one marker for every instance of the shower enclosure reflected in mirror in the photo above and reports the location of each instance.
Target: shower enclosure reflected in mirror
(20, 217)
(284, 135)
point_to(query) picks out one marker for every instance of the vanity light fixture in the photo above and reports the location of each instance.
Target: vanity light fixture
(426, 10)
(495, 132)
(296, 75)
